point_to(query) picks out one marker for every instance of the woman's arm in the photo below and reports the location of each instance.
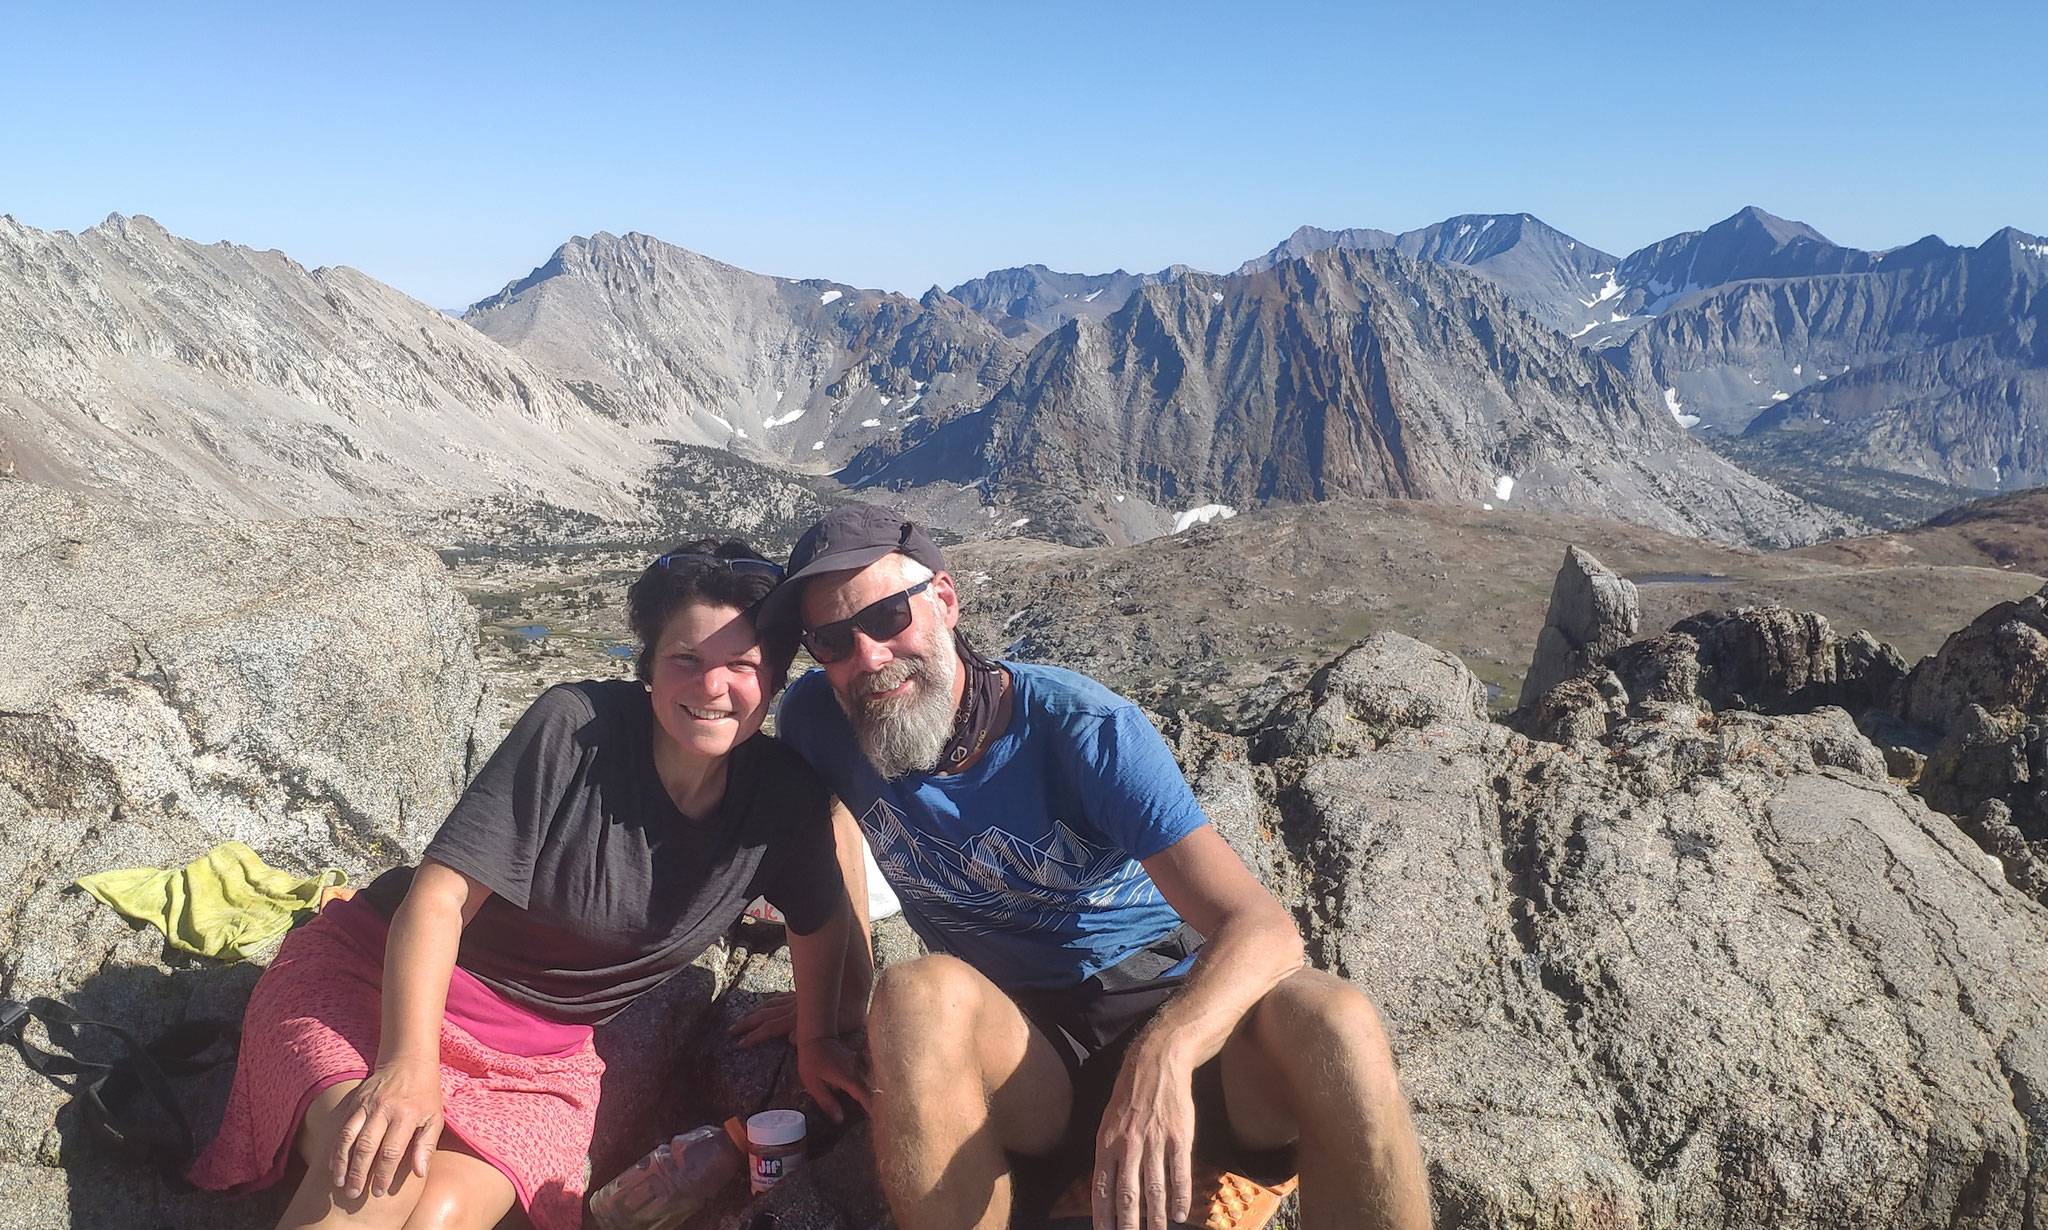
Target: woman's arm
(396, 1111)
(777, 1017)
(823, 1062)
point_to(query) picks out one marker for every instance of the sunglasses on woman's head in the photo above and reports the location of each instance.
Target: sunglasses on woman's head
(740, 567)
(881, 620)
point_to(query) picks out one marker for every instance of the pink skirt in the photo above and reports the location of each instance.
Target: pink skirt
(517, 1089)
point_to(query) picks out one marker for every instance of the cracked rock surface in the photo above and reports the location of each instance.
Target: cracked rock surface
(1709, 970)
(309, 688)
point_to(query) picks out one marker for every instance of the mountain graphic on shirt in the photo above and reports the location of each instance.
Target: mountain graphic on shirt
(997, 881)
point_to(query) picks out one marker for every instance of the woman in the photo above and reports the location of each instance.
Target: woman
(427, 1046)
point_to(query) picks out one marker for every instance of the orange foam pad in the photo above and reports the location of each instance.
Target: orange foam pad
(1233, 1201)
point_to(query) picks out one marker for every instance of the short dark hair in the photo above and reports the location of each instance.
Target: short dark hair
(675, 580)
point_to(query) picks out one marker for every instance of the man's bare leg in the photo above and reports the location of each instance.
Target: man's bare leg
(1310, 1064)
(960, 1076)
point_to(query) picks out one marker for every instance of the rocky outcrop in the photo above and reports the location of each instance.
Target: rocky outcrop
(1967, 726)
(1592, 613)
(308, 688)
(1723, 972)
(1766, 658)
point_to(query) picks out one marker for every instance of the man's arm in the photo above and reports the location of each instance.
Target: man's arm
(1146, 1140)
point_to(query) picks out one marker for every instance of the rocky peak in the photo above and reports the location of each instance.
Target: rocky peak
(212, 379)
(802, 372)
(1347, 373)
(1030, 301)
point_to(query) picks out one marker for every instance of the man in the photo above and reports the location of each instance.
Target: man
(1049, 853)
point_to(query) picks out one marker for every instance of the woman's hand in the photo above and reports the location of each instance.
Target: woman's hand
(775, 1018)
(393, 1116)
(825, 1064)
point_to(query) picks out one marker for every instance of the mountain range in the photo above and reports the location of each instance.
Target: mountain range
(1487, 359)
(1920, 361)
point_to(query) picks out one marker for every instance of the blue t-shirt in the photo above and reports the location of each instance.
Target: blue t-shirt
(1026, 865)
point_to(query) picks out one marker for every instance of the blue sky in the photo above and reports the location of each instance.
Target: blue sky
(448, 148)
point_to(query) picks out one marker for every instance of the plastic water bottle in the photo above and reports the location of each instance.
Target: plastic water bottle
(666, 1187)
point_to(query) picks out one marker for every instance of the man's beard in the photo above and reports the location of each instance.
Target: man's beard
(907, 734)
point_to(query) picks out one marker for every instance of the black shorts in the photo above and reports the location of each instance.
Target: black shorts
(1092, 1027)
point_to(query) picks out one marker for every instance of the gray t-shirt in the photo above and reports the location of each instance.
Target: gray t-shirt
(600, 887)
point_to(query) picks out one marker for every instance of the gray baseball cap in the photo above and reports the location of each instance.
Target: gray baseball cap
(844, 539)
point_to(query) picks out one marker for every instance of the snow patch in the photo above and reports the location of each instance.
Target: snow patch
(1020, 523)
(778, 395)
(1197, 516)
(885, 401)
(1503, 487)
(1486, 508)
(1610, 289)
(784, 420)
(2038, 249)
(1489, 225)
(1090, 296)
(1798, 368)
(1779, 395)
(1215, 296)
(831, 296)
(1119, 499)
(1588, 329)
(1678, 411)
(871, 422)
(721, 420)
(818, 446)
(741, 432)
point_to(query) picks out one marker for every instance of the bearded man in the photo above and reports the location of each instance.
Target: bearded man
(1109, 984)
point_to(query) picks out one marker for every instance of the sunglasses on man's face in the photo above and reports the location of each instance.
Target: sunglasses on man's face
(829, 643)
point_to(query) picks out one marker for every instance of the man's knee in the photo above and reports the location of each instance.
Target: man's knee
(1314, 1018)
(925, 1009)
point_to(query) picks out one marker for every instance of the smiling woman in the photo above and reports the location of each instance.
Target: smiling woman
(428, 1069)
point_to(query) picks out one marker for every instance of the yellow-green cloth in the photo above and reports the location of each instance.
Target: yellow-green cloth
(227, 903)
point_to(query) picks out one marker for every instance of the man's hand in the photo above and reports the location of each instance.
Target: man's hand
(825, 1064)
(1145, 1147)
(392, 1117)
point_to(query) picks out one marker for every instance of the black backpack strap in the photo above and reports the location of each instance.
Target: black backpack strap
(107, 1091)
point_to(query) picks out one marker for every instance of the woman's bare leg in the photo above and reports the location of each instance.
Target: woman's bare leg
(318, 1202)
(463, 1192)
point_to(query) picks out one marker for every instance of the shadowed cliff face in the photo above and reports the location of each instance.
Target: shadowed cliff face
(1344, 373)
